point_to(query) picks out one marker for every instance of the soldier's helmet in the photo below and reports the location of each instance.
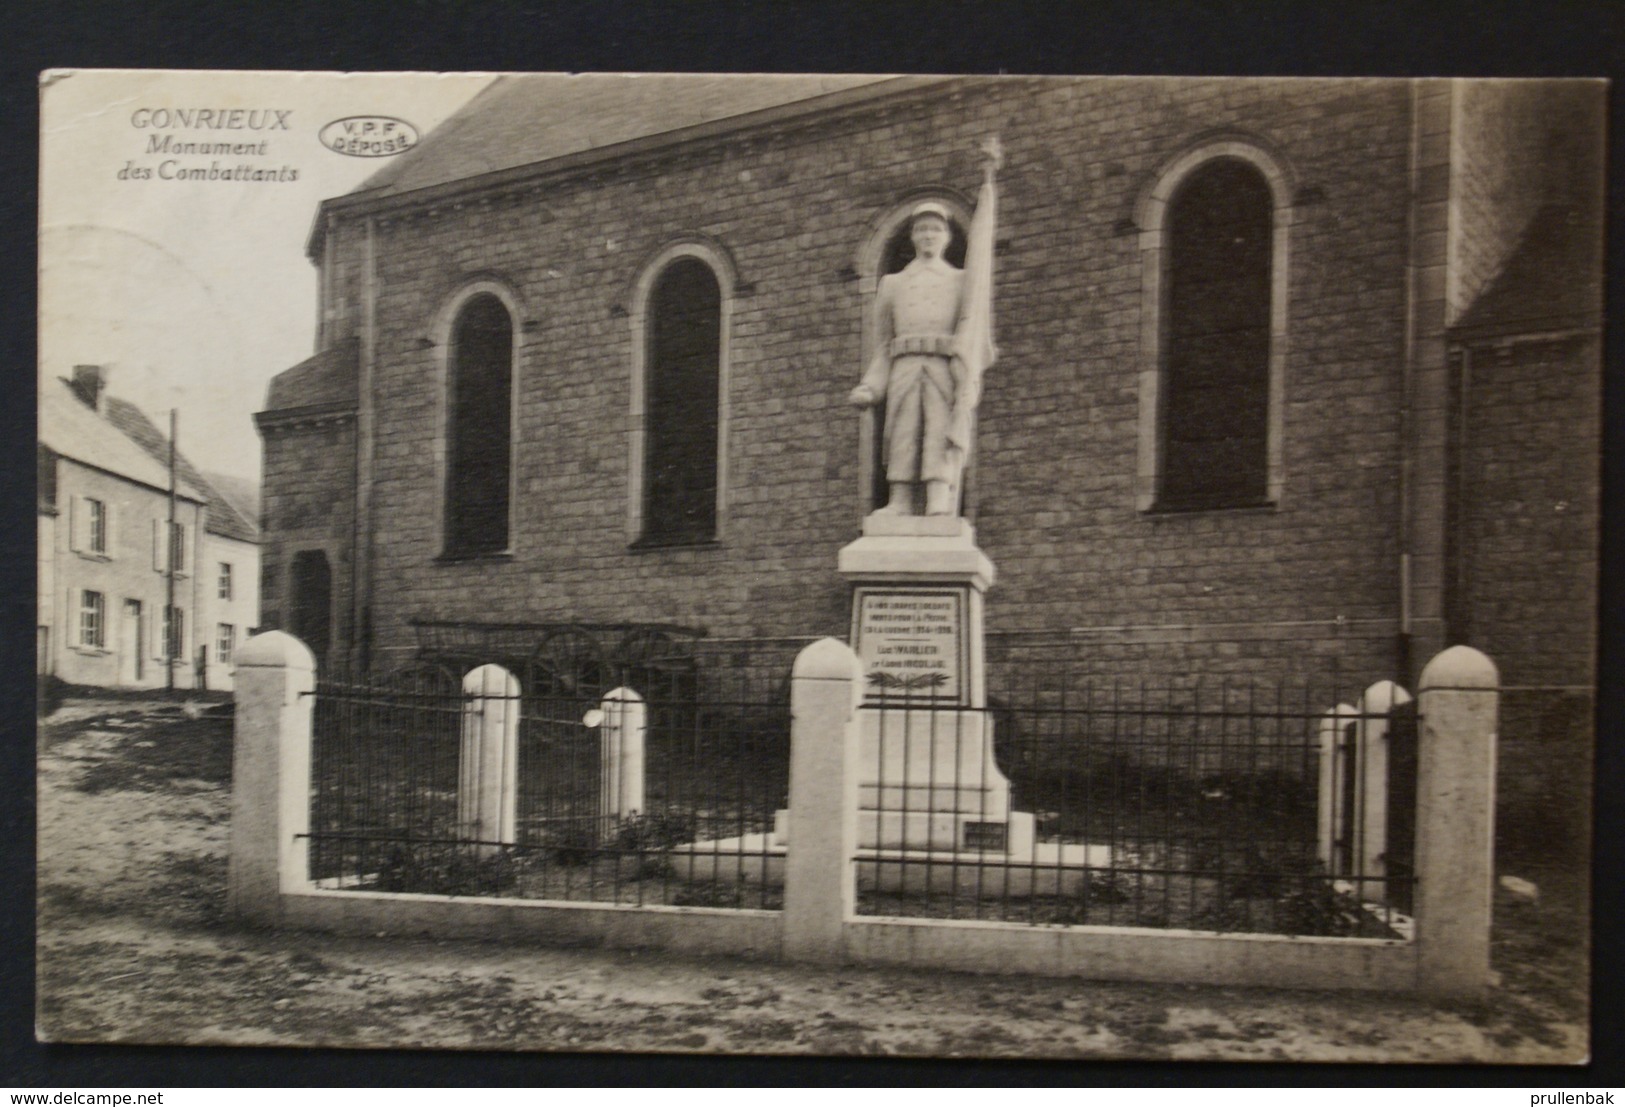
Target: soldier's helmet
(930, 207)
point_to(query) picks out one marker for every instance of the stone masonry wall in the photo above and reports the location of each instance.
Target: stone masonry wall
(309, 481)
(1529, 511)
(1312, 579)
(1529, 521)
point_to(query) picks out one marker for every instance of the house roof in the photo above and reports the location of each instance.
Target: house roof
(1551, 282)
(70, 428)
(224, 517)
(243, 493)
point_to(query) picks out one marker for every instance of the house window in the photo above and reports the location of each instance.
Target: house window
(90, 526)
(479, 447)
(96, 525)
(225, 641)
(682, 418)
(174, 633)
(92, 620)
(1214, 246)
(224, 590)
(1216, 340)
(169, 546)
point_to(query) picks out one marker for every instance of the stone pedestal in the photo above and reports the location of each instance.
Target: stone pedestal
(927, 779)
(917, 588)
(933, 809)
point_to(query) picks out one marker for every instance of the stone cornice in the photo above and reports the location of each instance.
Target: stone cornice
(311, 415)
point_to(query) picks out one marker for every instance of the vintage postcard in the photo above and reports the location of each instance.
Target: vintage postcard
(931, 566)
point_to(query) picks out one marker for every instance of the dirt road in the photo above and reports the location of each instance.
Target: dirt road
(135, 947)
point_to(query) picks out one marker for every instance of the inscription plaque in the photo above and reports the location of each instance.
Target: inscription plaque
(911, 642)
(986, 837)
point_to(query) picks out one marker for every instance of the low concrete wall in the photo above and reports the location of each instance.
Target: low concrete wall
(1124, 953)
(1096, 953)
(698, 931)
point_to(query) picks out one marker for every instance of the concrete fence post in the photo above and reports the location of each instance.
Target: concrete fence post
(270, 776)
(620, 744)
(488, 769)
(1332, 728)
(819, 889)
(1455, 821)
(1371, 793)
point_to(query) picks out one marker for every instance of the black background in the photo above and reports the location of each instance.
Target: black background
(1441, 38)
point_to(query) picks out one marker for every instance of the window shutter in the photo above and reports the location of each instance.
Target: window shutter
(75, 525)
(158, 550)
(109, 535)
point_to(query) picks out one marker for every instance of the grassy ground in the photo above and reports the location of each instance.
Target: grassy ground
(134, 946)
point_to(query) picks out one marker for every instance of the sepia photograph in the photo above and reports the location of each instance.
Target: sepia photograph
(1037, 567)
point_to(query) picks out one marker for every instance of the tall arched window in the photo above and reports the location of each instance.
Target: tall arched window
(1214, 243)
(682, 367)
(479, 430)
(1216, 339)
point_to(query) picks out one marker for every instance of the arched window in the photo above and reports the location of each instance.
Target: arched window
(1214, 244)
(1216, 339)
(479, 430)
(683, 344)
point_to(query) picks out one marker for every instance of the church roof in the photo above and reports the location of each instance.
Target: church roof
(527, 120)
(1552, 281)
(327, 379)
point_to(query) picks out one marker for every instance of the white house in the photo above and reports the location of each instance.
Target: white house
(126, 595)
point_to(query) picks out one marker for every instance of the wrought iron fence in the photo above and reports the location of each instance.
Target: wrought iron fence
(1193, 805)
(1207, 805)
(395, 804)
(564, 658)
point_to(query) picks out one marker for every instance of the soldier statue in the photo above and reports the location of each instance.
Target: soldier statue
(933, 334)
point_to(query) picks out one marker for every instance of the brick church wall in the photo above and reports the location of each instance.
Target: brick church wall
(1529, 521)
(1311, 579)
(1530, 508)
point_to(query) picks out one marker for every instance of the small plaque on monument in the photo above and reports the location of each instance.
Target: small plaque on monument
(912, 642)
